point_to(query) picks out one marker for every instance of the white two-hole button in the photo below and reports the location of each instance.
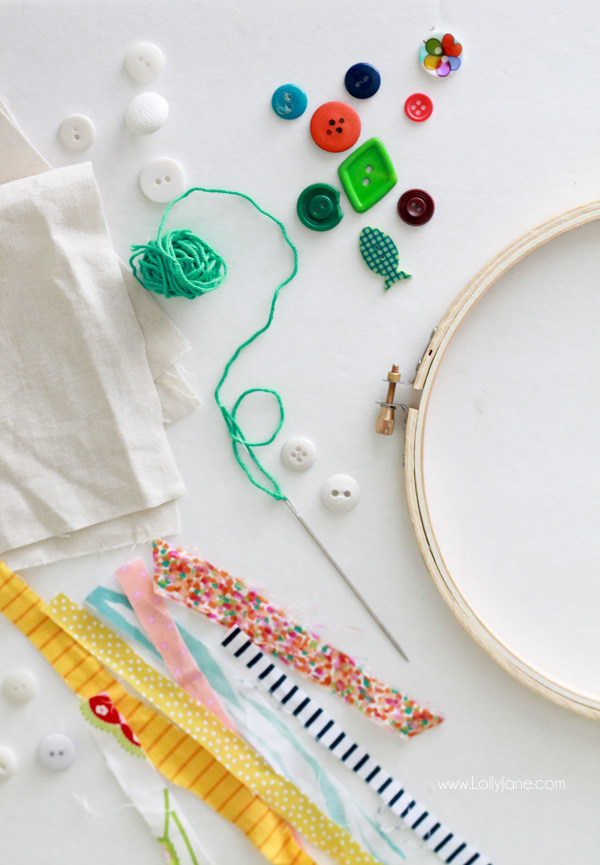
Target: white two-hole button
(147, 113)
(57, 752)
(8, 762)
(20, 686)
(298, 454)
(144, 61)
(76, 132)
(340, 493)
(162, 180)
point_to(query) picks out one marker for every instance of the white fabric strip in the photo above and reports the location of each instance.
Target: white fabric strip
(142, 784)
(321, 726)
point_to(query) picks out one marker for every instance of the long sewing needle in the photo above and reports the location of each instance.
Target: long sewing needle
(350, 585)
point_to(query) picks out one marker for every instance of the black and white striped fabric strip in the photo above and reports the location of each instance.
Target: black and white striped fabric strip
(321, 726)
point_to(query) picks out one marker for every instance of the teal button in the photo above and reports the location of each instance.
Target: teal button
(289, 101)
(319, 208)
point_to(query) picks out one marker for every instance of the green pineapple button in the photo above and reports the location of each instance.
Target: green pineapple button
(367, 175)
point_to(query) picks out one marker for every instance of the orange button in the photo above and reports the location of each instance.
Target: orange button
(335, 126)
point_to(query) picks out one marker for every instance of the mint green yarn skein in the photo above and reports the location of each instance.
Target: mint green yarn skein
(178, 264)
(197, 269)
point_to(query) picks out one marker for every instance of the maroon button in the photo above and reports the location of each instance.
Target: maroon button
(418, 107)
(416, 207)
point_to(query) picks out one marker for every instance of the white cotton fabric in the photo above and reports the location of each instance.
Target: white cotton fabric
(88, 373)
(142, 784)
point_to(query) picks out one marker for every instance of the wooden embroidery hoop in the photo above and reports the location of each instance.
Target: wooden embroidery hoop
(585, 703)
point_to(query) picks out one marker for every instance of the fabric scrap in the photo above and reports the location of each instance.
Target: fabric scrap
(265, 729)
(159, 625)
(328, 733)
(224, 746)
(178, 756)
(165, 343)
(142, 784)
(86, 357)
(229, 601)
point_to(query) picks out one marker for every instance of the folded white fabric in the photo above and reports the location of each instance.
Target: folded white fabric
(88, 373)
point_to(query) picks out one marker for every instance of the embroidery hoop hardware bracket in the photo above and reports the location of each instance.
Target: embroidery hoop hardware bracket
(560, 692)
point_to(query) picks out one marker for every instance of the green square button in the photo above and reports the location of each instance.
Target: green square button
(367, 175)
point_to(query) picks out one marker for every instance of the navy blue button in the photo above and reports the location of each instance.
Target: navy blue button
(362, 80)
(289, 101)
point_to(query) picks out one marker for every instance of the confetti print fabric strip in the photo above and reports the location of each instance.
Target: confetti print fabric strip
(322, 727)
(223, 745)
(227, 600)
(174, 753)
(160, 627)
(141, 783)
(266, 729)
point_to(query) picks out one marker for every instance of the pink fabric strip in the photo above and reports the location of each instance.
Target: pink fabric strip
(161, 629)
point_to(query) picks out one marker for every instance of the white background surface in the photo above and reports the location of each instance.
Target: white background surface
(512, 142)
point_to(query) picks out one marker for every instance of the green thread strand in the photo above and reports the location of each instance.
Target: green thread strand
(182, 264)
(167, 808)
(186, 840)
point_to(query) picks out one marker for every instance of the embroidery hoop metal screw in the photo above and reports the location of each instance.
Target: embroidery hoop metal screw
(386, 418)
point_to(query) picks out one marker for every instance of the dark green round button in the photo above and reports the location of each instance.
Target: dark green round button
(319, 207)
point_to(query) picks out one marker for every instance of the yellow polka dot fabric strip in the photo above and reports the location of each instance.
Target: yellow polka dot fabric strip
(176, 754)
(226, 748)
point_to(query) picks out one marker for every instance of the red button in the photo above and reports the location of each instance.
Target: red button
(335, 126)
(418, 107)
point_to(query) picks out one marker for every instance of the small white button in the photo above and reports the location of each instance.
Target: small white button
(147, 113)
(19, 686)
(57, 752)
(340, 493)
(298, 454)
(144, 61)
(8, 763)
(76, 132)
(162, 180)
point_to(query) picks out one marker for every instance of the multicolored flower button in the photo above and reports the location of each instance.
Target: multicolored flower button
(440, 54)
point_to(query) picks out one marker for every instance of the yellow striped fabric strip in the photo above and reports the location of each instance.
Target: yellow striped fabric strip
(176, 754)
